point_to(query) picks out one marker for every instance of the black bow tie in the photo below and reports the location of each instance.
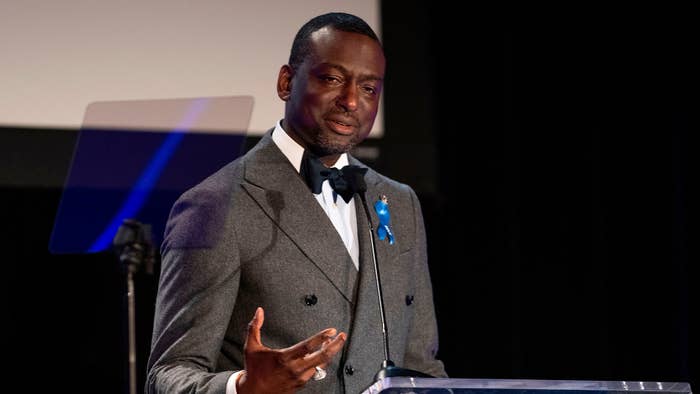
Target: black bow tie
(345, 181)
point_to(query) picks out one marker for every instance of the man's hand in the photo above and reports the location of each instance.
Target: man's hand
(284, 370)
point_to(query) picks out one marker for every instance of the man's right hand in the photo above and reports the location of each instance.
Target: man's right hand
(284, 370)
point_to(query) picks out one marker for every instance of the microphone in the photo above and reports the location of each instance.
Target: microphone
(356, 181)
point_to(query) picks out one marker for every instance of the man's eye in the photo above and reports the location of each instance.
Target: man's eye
(369, 89)
(330, 79)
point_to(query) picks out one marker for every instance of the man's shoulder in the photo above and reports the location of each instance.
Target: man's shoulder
(199, 213)
(394, 184)
(206, 205)
(383, 181)
(223, 181)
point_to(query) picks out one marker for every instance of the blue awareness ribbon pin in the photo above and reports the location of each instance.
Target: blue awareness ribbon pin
(382, 209)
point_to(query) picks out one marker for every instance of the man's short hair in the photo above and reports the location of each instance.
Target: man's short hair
(336, 20)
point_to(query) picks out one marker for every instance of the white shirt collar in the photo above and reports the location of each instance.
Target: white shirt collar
(293, 151)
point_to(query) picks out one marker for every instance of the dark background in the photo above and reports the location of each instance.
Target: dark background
(550, 149)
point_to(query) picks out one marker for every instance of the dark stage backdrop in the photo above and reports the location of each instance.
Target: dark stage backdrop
(551, 156)
(552, 149)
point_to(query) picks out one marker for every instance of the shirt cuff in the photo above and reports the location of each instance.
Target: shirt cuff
(231, 383)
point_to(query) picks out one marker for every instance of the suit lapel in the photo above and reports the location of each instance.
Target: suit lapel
(385, 252)
(279, 191)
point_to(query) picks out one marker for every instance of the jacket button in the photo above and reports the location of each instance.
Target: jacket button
(349, 370)
(409, 299)
(310, 299)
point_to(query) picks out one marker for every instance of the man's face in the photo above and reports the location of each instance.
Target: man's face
(333, 96)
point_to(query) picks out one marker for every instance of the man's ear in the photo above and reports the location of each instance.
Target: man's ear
(284, 82)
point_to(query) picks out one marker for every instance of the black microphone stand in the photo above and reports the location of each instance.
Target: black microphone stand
(134, 246)
(389, 369)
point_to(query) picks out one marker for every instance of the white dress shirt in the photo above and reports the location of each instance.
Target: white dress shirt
(341, 214)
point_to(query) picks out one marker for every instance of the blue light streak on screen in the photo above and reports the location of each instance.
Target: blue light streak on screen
(144, 185)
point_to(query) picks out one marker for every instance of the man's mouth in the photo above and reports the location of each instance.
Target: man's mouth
(340, 126)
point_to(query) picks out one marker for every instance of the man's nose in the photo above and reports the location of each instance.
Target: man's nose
(347, 99)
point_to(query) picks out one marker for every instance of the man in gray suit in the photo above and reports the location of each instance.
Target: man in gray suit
(257, 239)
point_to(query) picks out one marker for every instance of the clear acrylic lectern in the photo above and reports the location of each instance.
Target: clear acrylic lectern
(407, 385)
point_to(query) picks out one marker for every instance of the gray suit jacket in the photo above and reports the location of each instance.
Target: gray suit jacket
(253, 235)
